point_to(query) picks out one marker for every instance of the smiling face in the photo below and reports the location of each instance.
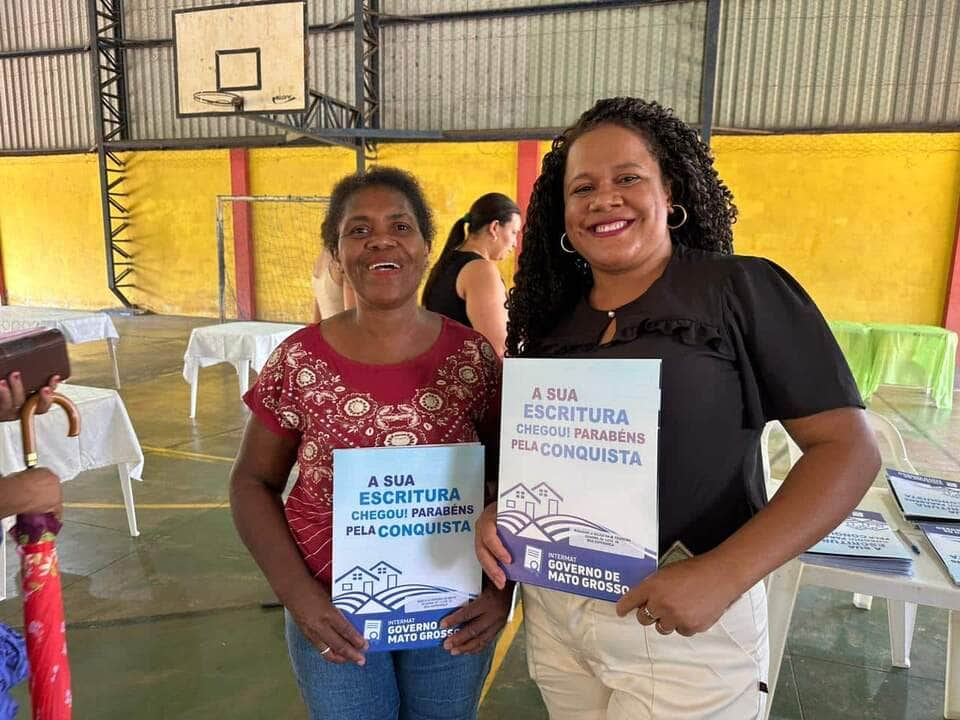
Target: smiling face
(616, 201)
(380, 248)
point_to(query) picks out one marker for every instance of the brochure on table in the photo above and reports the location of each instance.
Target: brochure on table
(577, 506)
(403, 529)
(922, 497)
(863, 542)
(945, 539)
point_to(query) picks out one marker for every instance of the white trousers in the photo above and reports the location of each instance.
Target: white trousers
(591, 665)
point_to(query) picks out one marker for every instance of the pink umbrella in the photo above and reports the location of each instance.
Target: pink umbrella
(43, 617)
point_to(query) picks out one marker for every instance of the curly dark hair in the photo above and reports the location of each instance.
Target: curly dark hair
(550, 282)
(388, 177)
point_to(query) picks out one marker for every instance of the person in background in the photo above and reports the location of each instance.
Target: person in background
(331, 294)
(628, 253)
(36, 490)
(465, 283)
(387, 373)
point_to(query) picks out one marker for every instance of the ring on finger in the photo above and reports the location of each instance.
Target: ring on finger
(661, 629)
(325, 650)
(647, 614)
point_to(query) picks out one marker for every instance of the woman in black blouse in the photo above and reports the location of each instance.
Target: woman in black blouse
(628, 254)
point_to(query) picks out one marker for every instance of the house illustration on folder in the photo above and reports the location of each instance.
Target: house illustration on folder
(386, 571)
(381, 576)
(539, 501)
(356, 579)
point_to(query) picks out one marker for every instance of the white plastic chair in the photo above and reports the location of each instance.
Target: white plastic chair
(786, 581)
(897, 450)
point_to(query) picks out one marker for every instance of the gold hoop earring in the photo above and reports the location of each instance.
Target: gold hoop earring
(682, 222)
(571, 250)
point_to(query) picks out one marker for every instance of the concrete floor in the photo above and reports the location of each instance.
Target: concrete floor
(170, 624)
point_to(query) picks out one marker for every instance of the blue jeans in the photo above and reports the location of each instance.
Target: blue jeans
(427, 684)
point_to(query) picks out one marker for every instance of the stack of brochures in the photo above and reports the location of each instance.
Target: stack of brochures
(863, 542)
(935, 505)
(945, 539)
(925, 498)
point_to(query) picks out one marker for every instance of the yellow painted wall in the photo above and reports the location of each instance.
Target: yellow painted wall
(173, 199)
(453, 175)
(865, 222)
(287, 235)
(51, 234)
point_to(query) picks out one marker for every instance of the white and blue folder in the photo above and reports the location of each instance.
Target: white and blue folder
(577, 506)
(403, 528)
(863, 542)
(922, 497)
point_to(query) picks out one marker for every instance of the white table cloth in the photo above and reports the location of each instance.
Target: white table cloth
(107, 436)
(77, 326)
(242, 344)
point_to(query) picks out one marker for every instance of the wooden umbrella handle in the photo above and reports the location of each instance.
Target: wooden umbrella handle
(27, 413)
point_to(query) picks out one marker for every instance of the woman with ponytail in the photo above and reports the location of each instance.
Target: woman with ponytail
(465, 284)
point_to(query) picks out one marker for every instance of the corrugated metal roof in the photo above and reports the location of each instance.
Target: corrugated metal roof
(45, 102)
(784, 65)
(330, 64)
(149, 21)
(42, 24)
(838, 63)
(540, 71)
(422, 7)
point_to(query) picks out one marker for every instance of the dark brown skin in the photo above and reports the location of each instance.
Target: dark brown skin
(12, 397)
(388, 326)
(36, 490)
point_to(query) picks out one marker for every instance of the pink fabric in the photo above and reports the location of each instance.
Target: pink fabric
(448, 394)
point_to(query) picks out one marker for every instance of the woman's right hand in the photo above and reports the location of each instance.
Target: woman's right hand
(326, 627)
(489, 547)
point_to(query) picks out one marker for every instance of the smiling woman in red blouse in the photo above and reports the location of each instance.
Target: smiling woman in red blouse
(386, 373)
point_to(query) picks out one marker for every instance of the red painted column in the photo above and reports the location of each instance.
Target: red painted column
(528, 169)
(242, 233)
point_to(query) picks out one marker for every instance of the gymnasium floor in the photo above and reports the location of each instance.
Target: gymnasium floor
(170, 624)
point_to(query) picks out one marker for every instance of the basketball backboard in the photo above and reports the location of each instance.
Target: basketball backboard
(241, 58)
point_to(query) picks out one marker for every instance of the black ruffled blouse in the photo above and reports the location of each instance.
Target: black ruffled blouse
(741, 343)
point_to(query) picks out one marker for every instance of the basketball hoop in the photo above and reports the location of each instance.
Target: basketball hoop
(234, 58)
(219, 99)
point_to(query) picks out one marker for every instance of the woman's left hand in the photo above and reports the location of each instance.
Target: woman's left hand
(482, 619)
(687, 596)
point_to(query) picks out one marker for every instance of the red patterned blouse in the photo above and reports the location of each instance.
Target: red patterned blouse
(308, 391)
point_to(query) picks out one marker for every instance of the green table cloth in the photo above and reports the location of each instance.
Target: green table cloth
(854, 340)
(891, 354)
